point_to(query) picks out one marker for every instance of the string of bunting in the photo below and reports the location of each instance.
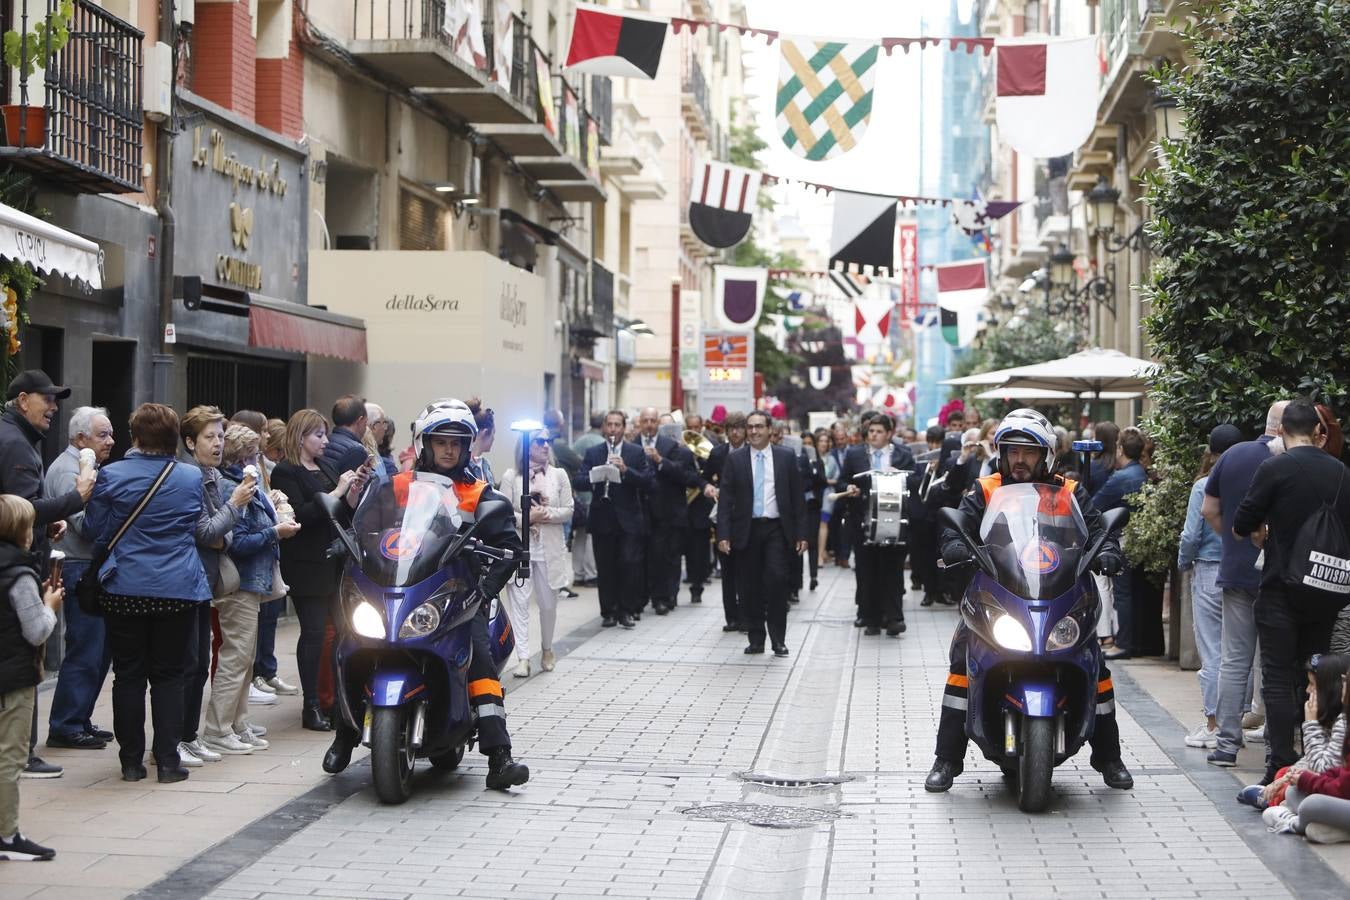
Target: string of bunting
(888, 44)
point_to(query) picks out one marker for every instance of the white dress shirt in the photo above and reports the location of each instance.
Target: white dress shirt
(770, 495)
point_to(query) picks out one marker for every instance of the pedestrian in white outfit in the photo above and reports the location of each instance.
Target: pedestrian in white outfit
(550, 566)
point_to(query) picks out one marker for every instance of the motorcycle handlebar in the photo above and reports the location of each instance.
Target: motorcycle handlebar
(492, 553)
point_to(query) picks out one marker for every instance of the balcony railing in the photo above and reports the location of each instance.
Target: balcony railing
(593, 315)
(696, 87)
(571, 118)
(400, 20)
(524, 78)
(602, 107)
(84, 124)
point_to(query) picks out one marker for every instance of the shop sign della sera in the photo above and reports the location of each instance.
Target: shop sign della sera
(265, 179)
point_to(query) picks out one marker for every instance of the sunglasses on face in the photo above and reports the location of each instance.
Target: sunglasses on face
(540, 442)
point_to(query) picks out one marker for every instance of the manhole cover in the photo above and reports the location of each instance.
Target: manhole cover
(764, 815)
(815, 781)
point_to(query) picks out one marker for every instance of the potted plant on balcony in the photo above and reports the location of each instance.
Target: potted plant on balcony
(27, 53)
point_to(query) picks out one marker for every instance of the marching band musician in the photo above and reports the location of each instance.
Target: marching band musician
(734, 424)
(880, 569)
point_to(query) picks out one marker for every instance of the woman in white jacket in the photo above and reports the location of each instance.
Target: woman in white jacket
(550, 566)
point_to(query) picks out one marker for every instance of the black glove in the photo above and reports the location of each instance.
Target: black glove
(956, 554)
(1109, 564)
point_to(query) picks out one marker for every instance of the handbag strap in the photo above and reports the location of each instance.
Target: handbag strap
(144, 502)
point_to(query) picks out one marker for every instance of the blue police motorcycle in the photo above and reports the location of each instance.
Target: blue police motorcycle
(1031, 609)
(409, 596)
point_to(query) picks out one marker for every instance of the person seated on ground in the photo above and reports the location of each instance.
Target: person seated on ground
(442, 437)
(1324, 745)
(1316, 806)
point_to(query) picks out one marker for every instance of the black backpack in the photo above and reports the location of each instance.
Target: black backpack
(1319, 557)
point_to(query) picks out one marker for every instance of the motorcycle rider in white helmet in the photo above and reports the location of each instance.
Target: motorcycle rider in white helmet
(1025, 444)
(442, 436)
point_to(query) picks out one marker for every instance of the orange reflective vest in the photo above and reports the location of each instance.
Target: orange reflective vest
(467, 495)
(1058, 504)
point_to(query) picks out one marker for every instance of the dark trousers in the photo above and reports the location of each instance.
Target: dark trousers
(731, 604)
(84, 666)
(313, 613)
(1122, 588)
(664, 547)
(265, 656)
(1291, 627)
(881, 583)
(923, 542)
(763, 570)
(197, 670)
(619, 571)
(485, 691)
(812, 540)
(698, 558)
(951, 737)
(154, 650)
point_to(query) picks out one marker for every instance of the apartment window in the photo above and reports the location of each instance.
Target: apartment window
(421, 222)
(349, 205)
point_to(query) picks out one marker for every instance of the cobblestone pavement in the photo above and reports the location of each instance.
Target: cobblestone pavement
(665, 763)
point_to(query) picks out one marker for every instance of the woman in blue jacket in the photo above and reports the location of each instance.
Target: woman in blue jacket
(255, 551)
(150, 586)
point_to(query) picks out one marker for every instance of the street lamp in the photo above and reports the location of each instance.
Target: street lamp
(1101, 214)
(1166, 116)
(1061, 266)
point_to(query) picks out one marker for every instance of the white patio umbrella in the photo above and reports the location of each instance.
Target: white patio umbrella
(1029, 394)
(1093, 372)
(998, 376)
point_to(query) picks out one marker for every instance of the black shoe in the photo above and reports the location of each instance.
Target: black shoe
(21, 849)
(743, 629)
(731, 626)
(134, 772)
(339, 753)
(1115, 775)
(814, 584)
(753, 649)
(102, 734)
(313, 719)
(927, 600)
(695, 598)
(169, 775)
(872, 630)
(942, 774)
(780, 650)
(78, 741)
(38, 767)
(636, 617)
(625, 621)
(608, 622)
(894, 628)
(503, 771)
(570, 594)
(859, 622)
(660, 608)
(793, 598)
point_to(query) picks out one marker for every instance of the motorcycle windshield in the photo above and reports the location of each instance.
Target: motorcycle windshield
(403, 528)
(1035, 535)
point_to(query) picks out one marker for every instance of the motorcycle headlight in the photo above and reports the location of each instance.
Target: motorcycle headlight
(1011, 635)
(421, 621)
(367, 621)
(1064, 635)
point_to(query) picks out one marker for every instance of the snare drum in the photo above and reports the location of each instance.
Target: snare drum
(886, 523)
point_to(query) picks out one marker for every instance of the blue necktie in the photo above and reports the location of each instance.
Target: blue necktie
(758, 509)
(876, 459)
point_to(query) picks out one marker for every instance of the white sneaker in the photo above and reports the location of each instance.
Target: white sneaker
(1255, 735)
(203, 752)
(257, 730)
(276, 685)
(523, 669)
(261, 684)
(251, 740)
(187, 757)
(1280, 819)
(229, 744)
(1253, 719)
(1203, 737)
(262, 698)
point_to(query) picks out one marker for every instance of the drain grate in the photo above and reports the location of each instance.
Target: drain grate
(764, 815)
(818, 781)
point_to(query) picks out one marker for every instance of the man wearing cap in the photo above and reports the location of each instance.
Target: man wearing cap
(30, 408)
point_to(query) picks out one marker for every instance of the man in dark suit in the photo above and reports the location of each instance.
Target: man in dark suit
(676, 472)
(761, 515)
(618, 522)
(345, 451)
(734, 427)
(880, 570)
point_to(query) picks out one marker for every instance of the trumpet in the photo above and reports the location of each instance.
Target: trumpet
(702, 448)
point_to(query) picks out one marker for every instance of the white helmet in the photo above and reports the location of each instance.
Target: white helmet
(1025, 428)
(448, 416)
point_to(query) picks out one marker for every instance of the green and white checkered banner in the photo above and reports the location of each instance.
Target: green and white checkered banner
(824, 98)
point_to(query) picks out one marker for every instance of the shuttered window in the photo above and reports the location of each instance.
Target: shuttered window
(421, 224)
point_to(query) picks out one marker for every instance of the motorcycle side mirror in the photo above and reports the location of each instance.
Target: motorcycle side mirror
(333, 507)
(1112, 521)
(957, 522)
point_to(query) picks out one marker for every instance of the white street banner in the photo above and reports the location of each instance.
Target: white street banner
(1047, 94)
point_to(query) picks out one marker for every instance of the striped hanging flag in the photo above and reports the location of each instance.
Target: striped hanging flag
(722, 201)
(962, 292)
(851, 286)
(824, 98)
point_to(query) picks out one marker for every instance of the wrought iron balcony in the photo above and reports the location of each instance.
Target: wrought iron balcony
(593, 317)
(78, 118)
(602, 107)
(694, 99)
(407, 41)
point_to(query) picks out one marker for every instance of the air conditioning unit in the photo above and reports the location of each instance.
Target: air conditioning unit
(184, 11)
(157, 89)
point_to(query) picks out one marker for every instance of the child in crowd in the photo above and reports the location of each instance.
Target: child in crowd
(27, 617)
(1317, 805)
(1323, 730)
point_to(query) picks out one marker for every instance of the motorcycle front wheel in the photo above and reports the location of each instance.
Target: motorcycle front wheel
(1036, 764)
(391, 753)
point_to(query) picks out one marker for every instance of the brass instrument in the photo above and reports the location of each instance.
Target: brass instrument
(702, 448)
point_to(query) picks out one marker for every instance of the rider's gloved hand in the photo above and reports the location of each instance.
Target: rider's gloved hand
(1109, 564)
(956, 554)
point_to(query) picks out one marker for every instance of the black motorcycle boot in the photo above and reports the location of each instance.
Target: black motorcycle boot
(941, 776)
(339, 754)
(1115, 775)
(503, 771)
